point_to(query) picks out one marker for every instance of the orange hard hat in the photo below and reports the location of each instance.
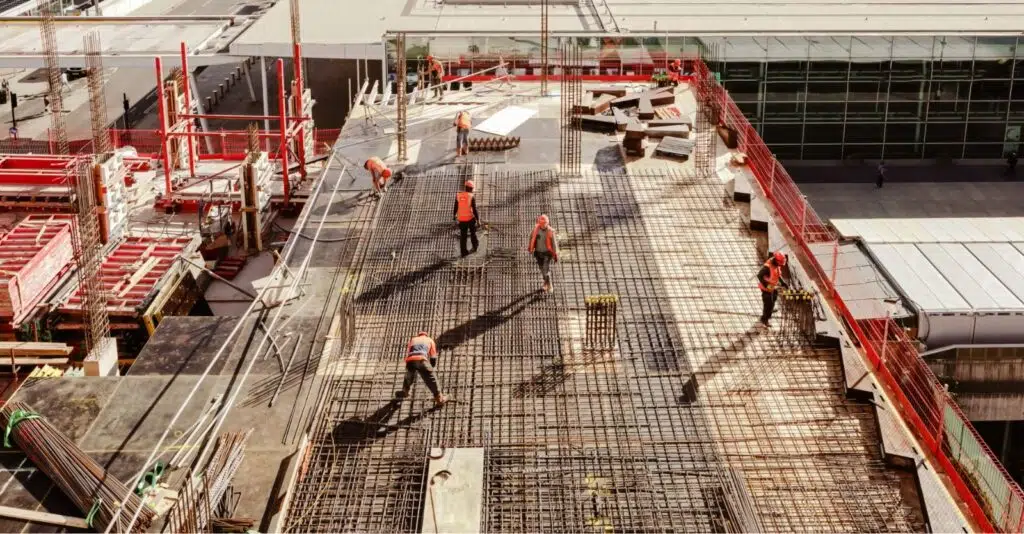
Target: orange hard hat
(677, 62)
(470, 185)
(421, 333)
(386, 174)
(780, 258)
(542, 220)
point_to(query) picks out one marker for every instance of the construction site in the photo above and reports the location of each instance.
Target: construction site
(206, 320)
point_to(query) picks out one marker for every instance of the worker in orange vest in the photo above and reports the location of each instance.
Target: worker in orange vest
(436, 70)
(544, 248)
(768, 280)
(379, 173)
(675, 69)
(462, 124)
(421, 358)
(467, 216)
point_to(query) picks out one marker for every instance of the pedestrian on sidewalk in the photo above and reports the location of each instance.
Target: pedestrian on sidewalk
(421, 358)
(1011, 163)
(768, 280)
(462, 124)
(880, 175)
(64, 83)
(436, 70)
(544, 248)
(467, 216)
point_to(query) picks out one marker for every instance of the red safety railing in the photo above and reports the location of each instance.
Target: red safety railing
(993, 499)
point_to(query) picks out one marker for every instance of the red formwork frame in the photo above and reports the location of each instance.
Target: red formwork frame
(922, 401)
(291, 126)
(126, 286)
(25, 251)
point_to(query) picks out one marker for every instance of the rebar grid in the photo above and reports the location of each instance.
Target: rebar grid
(570, 135)
(545, 37)
(577, 439)
(401, 104)
(97, 95)
(55, 90)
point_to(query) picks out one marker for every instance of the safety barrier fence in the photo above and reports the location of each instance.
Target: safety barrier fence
(994, 500)
(147, 143)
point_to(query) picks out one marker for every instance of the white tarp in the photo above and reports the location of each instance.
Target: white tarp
(506, 120)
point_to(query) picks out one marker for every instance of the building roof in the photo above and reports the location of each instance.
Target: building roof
(327, 32)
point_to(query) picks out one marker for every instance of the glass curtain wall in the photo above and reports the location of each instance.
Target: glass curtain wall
(836, 98)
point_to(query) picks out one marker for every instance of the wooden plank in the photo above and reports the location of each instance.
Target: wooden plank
(627, 101)
(675, 147)
(621, 120)
(26, 361)
(138, 275)
(635, 130)
(32, 348)
(361, 94)
(671, 122)
(662, 97)
(646, 109)
(668, 131)
(585, 107)
(610, 90)
(602, 103)
(603, 123)
(43, 517)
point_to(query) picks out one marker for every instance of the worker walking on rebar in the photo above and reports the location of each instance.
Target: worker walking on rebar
(379, 173)
(467, 216)
(544, 248)
(421, 358)
(768, 280)
(462, 124)
(436, 70)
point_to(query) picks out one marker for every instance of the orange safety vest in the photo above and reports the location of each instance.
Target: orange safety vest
(464, 213)
(550, 240)
(462, 121)
(774, 273)
(375, 165)
(436, 66)
(420, 348)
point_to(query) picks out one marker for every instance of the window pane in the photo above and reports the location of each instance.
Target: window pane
(981, 131)
(988, 150)
(783, 110)
(901, 132)
(903, 151)
(783, 133)
(823, 133)
(945, 132)
(904, 110)
(863, 133)
(990, 89)
(742, 90)
(823, 151)
(866, 91)
(785, 151)
(826, 110)
(943, 151)
(993, 110)
(863, 152)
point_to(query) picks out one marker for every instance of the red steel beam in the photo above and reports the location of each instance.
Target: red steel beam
(162, 108)
(283, 103)
(188, 110)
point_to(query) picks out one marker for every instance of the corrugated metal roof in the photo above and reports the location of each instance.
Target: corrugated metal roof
(971, 278)
(1004, 261)
(918, 278)
(935, 230)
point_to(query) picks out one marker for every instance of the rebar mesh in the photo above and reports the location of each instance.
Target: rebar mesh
(579, 439)
(571, 64)
(97, 94)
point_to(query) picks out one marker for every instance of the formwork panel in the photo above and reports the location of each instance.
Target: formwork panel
(33, 256)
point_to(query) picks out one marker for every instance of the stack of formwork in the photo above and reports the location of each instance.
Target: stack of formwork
(34, 256)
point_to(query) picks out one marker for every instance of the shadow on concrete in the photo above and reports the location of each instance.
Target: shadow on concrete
(388, 288)
(710, 366)
(364, 430)
(482, 324)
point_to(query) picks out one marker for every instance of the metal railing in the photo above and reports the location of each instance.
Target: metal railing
(994, 500)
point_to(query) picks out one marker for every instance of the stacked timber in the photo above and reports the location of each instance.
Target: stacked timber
(33, 257)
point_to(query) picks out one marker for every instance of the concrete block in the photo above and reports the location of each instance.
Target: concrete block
(455, 491)
(758, 214)
(741, 189)
(102, 360)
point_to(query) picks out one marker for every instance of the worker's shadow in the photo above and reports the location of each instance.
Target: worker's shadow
(365, 430)
(547, 381)
(481, 324)
(712, 365)
(388, 287)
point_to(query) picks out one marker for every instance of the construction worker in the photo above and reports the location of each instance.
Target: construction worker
(768, 280)
(379, 173)
(436, 70)
(462, 124)
(675, 69)
(544, 248)
(467, 216)
(420, 358)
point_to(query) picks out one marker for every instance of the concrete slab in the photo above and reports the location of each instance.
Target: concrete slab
(455, 491)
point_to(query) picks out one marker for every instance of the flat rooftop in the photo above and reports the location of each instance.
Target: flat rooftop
(691, 412)
(327, 36)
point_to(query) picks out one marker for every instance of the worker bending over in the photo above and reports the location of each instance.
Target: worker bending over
(462, 124)
(544, 248)
(436, 70)
(379, 173)
(768, 280)
(675, 70)
(467, 216)
(420, 358)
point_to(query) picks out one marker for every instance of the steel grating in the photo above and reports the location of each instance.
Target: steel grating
(693, 422)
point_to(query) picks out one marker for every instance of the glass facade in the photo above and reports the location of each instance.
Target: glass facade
(822, 98)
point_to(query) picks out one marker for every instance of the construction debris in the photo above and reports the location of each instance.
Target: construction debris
(97, 493)
(204, 491)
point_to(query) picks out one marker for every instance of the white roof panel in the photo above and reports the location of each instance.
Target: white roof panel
(1005, 262)
(970, 277)
(935, 230)
(918, 279)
